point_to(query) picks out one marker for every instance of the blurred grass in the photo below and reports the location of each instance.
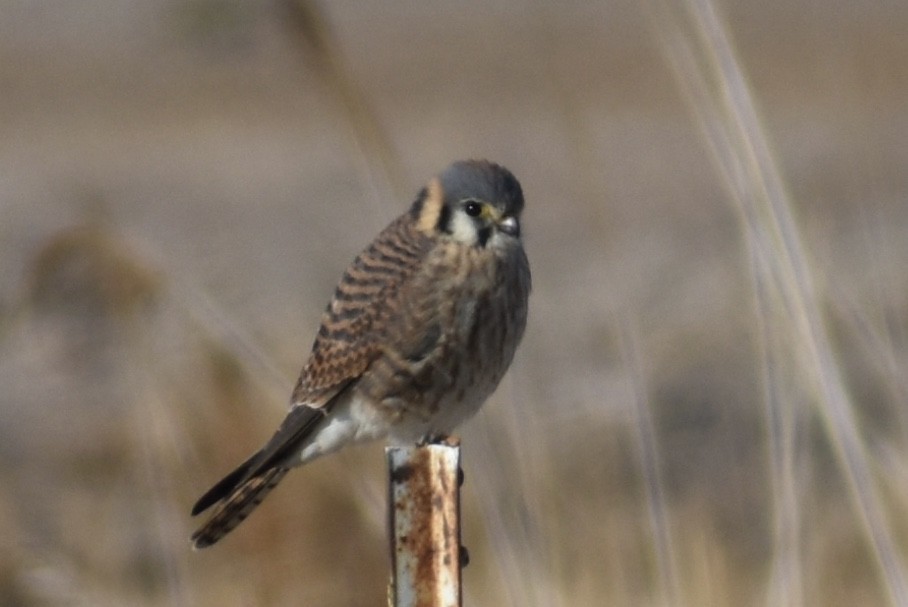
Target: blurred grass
(665, 436)
(709, 72)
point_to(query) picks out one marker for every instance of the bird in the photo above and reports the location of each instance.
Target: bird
(421, 328)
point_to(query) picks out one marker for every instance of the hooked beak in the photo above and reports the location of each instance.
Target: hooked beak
(510, 226)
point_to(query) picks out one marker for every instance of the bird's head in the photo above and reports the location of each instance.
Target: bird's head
(474, 202)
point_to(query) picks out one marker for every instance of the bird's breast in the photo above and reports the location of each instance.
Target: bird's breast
(454, 335)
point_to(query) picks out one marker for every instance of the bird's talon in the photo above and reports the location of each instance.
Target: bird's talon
(464, 557)
(434, 439)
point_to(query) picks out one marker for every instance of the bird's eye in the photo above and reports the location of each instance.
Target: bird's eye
(473, 209)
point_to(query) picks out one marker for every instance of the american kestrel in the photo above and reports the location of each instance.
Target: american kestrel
(422, 327)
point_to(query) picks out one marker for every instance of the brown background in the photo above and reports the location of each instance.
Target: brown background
(181, 183)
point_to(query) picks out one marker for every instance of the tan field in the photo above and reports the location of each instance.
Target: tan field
(710, 406)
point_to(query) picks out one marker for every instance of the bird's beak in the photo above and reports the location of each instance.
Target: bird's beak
(510, 226)
(505, 224)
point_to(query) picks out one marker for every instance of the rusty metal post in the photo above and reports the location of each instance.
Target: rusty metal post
(424, 513)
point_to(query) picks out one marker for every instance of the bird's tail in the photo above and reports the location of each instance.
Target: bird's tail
(236, 506)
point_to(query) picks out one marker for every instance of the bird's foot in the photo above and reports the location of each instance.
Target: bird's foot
(464, 557)
(439, 439)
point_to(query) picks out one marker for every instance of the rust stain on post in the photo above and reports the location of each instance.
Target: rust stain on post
(425, 525)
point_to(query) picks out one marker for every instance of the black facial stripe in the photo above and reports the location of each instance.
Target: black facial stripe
(483, 235)
(444, 219)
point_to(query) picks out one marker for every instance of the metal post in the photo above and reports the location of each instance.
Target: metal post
(424, 512)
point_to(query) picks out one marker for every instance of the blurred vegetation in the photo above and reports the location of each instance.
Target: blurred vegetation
(666, 434)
